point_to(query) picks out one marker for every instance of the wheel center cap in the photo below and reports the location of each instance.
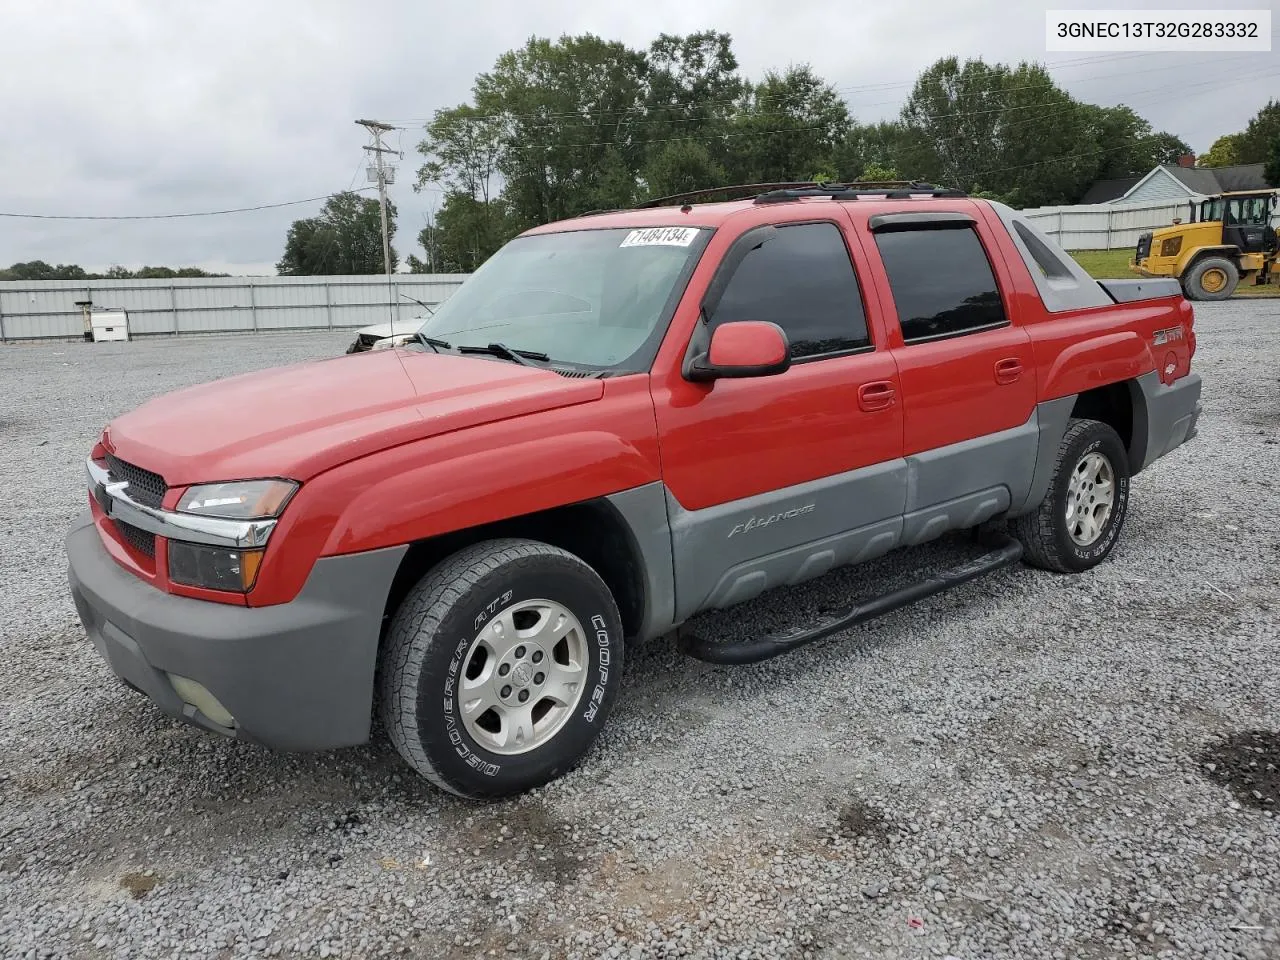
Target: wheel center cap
(521, 674)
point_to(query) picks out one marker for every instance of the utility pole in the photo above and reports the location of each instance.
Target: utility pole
(380, 174)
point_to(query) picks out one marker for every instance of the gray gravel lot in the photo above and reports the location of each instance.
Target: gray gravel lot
(1030, 766)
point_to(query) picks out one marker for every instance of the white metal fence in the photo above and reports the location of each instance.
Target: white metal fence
(1107, 226)
(49, 309)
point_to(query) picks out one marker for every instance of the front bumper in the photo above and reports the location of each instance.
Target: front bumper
(295, 676)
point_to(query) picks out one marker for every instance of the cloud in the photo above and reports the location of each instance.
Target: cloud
(133, 106)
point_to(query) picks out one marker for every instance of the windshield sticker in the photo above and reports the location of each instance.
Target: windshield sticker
(660, 237)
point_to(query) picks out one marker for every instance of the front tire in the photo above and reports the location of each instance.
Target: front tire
(501, 667)
(1080, 518)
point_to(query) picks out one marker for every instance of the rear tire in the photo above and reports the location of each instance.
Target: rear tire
(500, 668)
(1211, 278)
(1079, 520)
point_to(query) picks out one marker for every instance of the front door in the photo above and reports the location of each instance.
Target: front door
(779, 478)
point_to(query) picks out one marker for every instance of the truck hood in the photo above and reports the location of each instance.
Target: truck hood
(299, 420)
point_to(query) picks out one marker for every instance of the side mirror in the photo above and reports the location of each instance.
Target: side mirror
(743, 348)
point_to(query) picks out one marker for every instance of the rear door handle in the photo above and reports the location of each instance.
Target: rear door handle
(1008, 370)
(877, 395)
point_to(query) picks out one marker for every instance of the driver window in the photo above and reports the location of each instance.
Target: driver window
(804, 281)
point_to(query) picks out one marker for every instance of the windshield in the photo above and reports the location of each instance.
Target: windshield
(590, 298)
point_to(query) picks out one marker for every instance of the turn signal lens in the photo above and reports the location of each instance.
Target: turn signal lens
(238, 500)
(213, 568)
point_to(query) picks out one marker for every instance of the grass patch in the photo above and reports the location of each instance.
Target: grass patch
(1114, 265)
(1105, 264)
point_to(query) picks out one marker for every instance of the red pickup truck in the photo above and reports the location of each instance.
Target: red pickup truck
(618, 422)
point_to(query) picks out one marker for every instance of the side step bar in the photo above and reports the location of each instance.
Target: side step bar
(1004, 552)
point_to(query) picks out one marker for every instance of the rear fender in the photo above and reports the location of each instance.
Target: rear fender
(1097, 362)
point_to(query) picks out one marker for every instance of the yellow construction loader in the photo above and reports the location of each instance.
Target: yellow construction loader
(1230, 237)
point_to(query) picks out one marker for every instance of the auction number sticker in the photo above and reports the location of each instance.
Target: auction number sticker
(660, 237)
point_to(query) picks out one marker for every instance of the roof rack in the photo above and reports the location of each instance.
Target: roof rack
(781, 192)
(889, 189)
(747, 189)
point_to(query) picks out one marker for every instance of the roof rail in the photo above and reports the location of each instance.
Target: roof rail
(889, 189)
(780, 192)
(748, 189)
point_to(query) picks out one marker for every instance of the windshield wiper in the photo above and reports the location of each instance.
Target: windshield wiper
(432, 342)
(507, 353)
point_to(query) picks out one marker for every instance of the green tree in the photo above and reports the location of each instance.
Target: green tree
(1256, 139)
(39, 270)
(463, 234)
(1272, 170)
(462, 148)
(790, 125)
(1126, 144)
(873, 172)
(346, 238)
(681, 166)
(1224, 152)
(1012, 129)
(573, 125)
(879, 145)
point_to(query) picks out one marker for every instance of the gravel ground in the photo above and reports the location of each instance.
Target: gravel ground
(1030, 766)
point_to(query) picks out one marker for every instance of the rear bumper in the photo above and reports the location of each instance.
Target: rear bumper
(295, 676)
(1168, 417)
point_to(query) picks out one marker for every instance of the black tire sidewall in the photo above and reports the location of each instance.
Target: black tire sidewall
(441, 731)
(1100, 439)
(1202, 267)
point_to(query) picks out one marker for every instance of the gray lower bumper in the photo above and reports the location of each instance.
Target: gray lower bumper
(1166, 418)
(296, 676)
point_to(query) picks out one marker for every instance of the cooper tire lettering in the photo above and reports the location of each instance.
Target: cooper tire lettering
(429, 646)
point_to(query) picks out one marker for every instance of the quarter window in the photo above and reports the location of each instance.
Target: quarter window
(942, 282)
(802, 280)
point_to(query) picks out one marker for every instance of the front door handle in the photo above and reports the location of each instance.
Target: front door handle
(1008, 370)
(877, 395)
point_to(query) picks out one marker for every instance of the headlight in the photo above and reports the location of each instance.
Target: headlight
(389, 343)
(239, 500)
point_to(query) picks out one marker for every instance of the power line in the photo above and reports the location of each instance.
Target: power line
(173, 216)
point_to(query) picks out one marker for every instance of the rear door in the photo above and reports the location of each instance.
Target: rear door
(759, 469)
(965, 366)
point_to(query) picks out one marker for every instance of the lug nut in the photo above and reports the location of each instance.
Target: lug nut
(539, 677)
(524, 695)
(519, 652)
(537, 656)
(506, 692)
(504, 669)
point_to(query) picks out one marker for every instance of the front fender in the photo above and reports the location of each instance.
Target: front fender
(1195, 253)
(1097, 362)
(466, 478)
(424, 496)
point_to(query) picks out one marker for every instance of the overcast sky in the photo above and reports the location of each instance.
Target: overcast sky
(115, 107)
